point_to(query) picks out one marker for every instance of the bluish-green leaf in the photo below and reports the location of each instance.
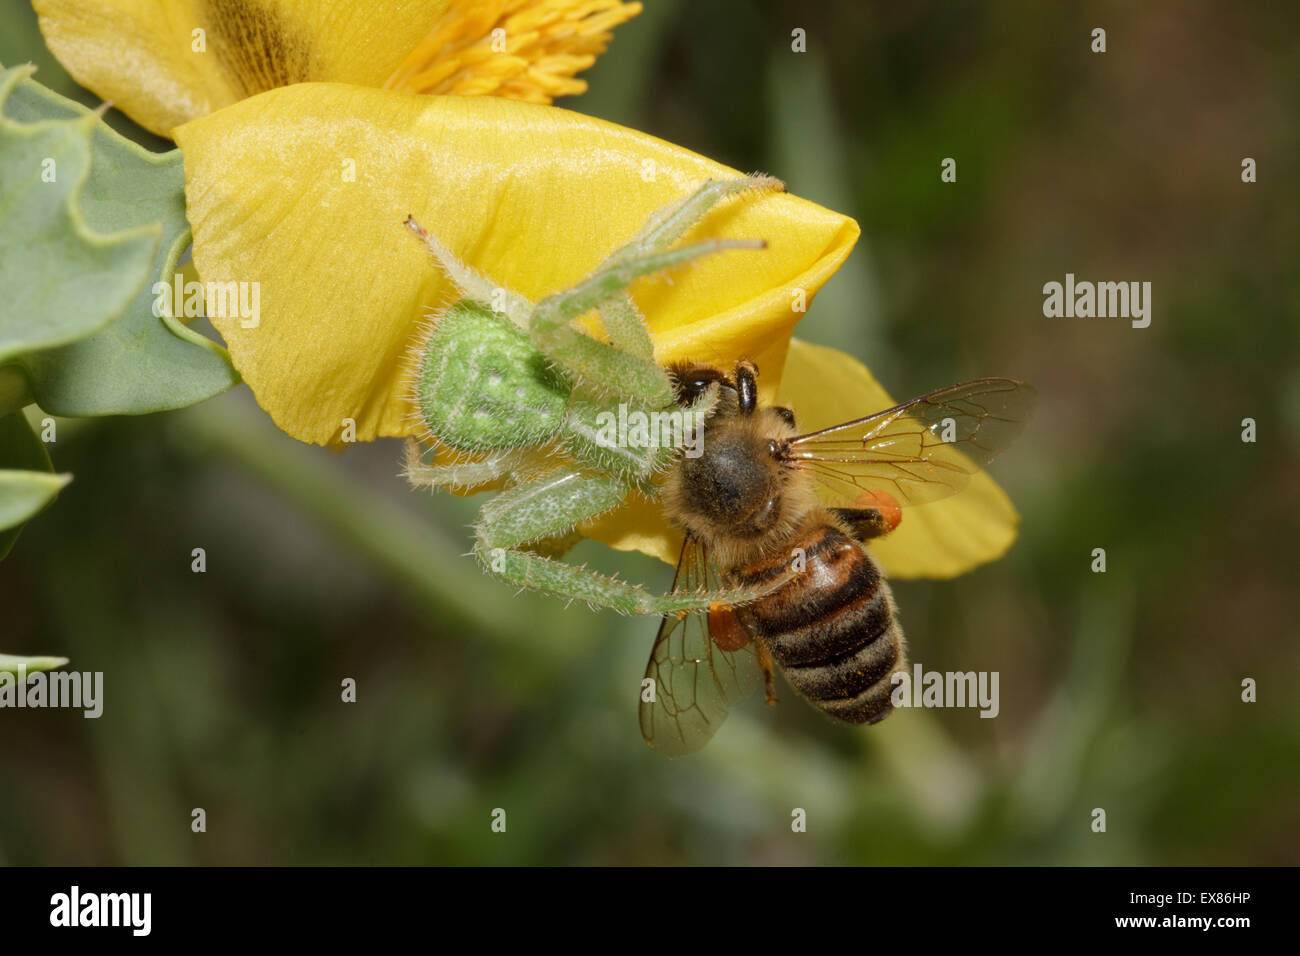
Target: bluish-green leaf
(30, 665)
(26, 481)
(62, 280)
(24, 493)
(140, 362)
(26, 486)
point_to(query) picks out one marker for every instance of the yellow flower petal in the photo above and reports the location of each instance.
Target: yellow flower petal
(519, 49)
(142, 54)
(532, 196)
(938, 540)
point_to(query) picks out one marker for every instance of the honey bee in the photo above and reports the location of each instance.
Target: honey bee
(789, 514)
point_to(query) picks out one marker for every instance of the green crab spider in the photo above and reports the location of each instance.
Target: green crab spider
(512, 384)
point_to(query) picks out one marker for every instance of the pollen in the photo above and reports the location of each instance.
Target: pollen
(518, 49)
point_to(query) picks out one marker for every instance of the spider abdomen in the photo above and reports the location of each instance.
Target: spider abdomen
(482, 385)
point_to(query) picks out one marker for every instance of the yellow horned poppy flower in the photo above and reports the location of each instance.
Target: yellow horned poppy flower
(164, 62)
(304, 189)
(301, 187)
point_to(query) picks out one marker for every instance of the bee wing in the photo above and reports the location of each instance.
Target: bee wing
(922, 450)
(695, 681)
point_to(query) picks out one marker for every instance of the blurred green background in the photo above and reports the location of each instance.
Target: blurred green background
(1119, 690)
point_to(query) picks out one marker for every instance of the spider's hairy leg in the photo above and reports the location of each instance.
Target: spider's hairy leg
(629, 363)
(624, 325)
(465, 474)
(615, 275)
(626, 329)
(605, 369)
(670, 223)
(549, 505)
(476, 286)
(632, 442)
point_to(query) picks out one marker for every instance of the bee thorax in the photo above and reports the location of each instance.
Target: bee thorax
(731, 484)
(737, 496)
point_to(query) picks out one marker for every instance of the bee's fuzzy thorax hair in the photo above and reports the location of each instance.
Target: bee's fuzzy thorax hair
(688, 491)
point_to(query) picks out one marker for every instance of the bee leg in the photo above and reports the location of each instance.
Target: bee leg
(865, 523)
(765, 662)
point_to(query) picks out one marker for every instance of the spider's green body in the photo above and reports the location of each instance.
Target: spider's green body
(484, 386)
(513, 384)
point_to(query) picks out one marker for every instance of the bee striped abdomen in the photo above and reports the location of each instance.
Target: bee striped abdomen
(832, 628)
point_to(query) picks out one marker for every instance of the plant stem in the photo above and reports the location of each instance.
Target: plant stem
(419, 555)
(15, 394)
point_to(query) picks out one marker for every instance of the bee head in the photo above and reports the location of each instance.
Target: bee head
(738, 491)
(692, 381)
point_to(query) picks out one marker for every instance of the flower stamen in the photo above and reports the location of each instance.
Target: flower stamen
(518, 49)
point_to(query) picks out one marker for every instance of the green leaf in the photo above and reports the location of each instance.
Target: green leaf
(30, 485)
(140, 362)
(26, 486)
(24, 493)
(30, 665)
(62, 280)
